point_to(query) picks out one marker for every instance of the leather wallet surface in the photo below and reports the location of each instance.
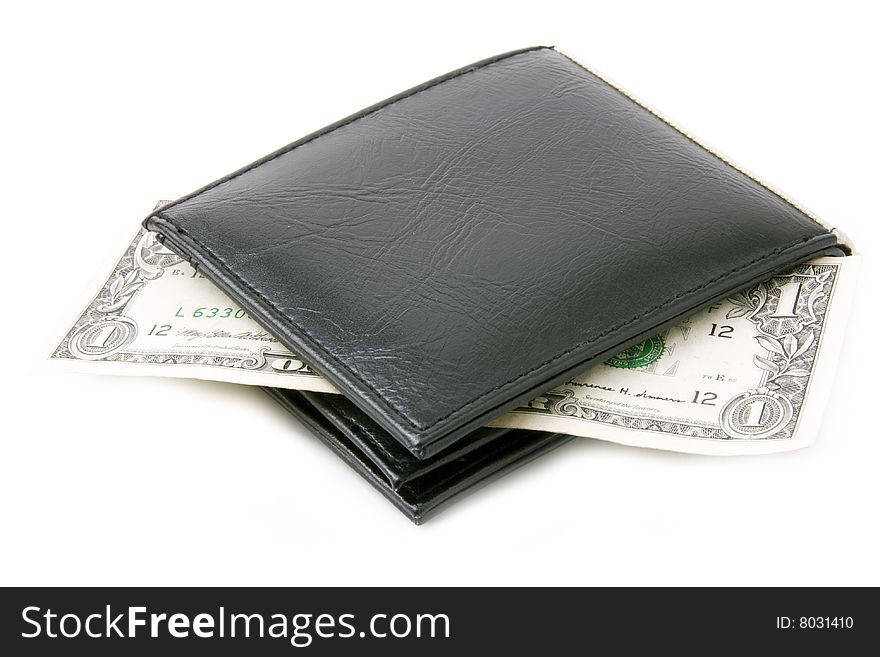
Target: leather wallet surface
(417, 487)
(457, 249)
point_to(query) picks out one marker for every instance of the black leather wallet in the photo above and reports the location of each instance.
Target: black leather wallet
(451, 252)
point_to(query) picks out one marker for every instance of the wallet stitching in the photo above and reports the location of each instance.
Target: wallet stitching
(424, 427)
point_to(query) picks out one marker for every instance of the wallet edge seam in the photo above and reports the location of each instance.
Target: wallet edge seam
(164, 219)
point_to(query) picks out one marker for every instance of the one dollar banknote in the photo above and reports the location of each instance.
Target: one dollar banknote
(152, 314)
(748, 375)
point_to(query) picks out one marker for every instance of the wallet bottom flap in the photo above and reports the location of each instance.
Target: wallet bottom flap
(421, 496)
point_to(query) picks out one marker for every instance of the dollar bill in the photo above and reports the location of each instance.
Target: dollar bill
(151, 314)
(748, 375)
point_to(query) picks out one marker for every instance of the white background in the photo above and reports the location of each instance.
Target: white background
(128, 481)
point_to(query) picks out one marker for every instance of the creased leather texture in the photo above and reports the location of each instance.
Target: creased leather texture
(464, 246)
(428, 484)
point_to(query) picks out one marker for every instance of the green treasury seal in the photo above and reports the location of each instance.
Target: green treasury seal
(639, 355)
